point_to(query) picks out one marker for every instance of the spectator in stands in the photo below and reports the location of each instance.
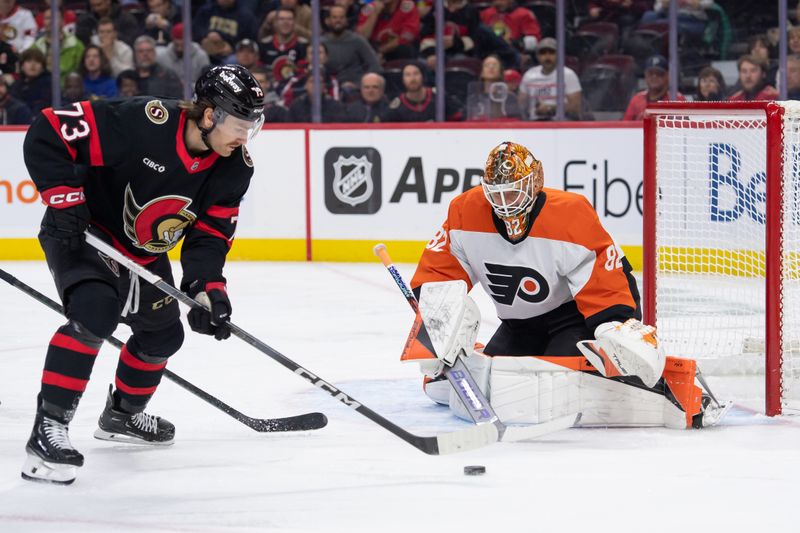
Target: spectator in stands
(34, 86)
(793, 77)
(372, 104)
(171, 56)
(537, 90)
(794, 40)
(247, 53)
(758, 47)
(160, 19)
(624, 13)
(128, 84)
(126, 24)
(74, 90)
(302, 19)
(71, 49)
(417, 103)
(391, 26)
(656, 77)
(17, 25)
(220, 25)
(273, 110)
(490, 98)
(753, 81)
(710, 86)
(295, 86)
(70, 18)
(692, 16)
(96, 73)
(12, 111)
(285, 51)
(332, 111)
(349, 54)
(119, 54)
(513, 23)
(152, 78)
(8, 59)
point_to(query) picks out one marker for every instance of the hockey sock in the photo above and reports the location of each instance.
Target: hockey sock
(138, 376)
(67, 368)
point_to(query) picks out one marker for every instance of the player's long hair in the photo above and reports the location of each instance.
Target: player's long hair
(194, 110)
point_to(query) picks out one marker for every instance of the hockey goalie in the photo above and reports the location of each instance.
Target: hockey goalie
(571, 337)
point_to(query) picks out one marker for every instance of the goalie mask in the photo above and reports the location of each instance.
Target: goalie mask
(511, 181)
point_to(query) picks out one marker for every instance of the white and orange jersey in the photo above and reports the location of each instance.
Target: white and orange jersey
(566, 256)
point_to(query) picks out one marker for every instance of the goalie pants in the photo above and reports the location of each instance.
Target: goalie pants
(95, 291)
(554, 333)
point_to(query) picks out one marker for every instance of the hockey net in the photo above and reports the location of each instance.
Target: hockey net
(722, 239)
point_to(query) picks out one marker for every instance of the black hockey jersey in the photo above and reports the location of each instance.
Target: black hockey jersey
(143, 188)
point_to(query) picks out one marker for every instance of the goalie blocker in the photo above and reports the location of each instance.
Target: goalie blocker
(625, 380)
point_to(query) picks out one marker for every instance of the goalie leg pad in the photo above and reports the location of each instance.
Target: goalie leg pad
(528, 390)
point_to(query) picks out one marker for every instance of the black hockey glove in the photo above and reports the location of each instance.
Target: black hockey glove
(67, 215)
(213, 296)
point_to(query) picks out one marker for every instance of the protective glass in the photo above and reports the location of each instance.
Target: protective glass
(510, 199)
(236, 127)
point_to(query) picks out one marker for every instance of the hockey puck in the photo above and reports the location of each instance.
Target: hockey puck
(474, 470)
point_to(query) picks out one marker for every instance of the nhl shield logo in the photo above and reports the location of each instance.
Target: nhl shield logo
(353, 180)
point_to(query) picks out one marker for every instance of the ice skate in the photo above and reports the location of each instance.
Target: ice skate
(51, 456)
(138, 428)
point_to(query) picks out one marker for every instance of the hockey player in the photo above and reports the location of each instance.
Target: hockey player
(140, 174)
(561, 287)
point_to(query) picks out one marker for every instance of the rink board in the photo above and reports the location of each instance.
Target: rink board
(329, 193)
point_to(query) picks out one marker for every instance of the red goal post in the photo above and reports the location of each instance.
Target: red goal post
(721, 242)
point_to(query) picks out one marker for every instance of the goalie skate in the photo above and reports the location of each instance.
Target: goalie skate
(137, 428)
(51, 456)
(712, 413)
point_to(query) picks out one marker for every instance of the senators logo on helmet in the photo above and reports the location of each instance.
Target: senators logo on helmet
(159, 224)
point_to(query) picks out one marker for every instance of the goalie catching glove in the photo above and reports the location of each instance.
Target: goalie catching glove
(213, 320)
(451, 320)
(626, 349)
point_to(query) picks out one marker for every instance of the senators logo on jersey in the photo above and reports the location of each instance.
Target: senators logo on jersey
(509, 282)
(159, 224)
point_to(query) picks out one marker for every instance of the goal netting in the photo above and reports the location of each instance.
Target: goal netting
(722, 239)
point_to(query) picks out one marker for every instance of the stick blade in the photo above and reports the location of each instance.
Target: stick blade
(534, 431)
(467, 439)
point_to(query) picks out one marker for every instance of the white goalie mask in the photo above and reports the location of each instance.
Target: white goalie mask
(511, 180)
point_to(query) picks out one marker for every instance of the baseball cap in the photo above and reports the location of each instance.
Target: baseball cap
(177, 31)
(656, 61)
(548, 43)
(247, 43)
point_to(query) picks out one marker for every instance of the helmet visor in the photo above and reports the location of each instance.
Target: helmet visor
(509, 199)
(235, 127)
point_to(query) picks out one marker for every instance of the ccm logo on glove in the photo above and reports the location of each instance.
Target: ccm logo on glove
(63, 197)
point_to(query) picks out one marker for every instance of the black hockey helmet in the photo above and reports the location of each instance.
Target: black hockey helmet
(233, 89)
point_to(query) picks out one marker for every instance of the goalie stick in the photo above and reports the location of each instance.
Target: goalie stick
(303, 422)
(471, 396)
(461, 440)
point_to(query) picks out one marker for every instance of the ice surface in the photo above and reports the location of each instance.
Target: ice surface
(347, 324)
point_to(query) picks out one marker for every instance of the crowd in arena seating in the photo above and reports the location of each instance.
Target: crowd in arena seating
(378, 57)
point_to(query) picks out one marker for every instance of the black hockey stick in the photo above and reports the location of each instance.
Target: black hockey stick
(465, 439)
(302, 422)
(471, 396)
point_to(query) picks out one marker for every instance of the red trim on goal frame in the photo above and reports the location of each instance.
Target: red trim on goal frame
(773, 114)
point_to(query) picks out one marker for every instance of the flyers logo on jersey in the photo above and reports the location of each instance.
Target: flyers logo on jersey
(159, 225)
(509, 282)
